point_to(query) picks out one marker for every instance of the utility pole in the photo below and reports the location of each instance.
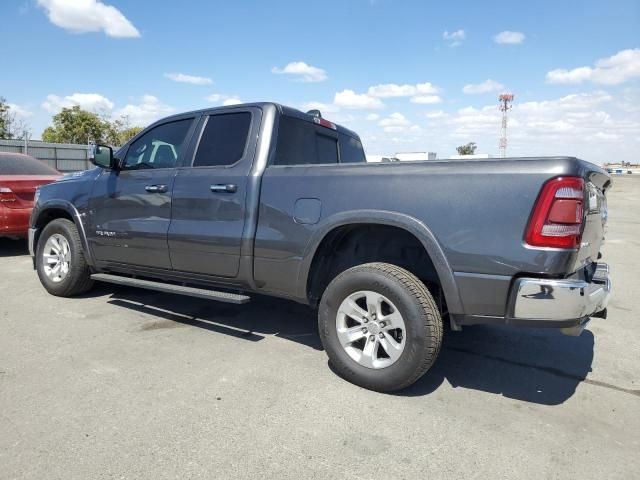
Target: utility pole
(505, 103)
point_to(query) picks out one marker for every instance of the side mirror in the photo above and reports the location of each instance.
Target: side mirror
(102, 156)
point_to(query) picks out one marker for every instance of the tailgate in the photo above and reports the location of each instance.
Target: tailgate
(597, 182)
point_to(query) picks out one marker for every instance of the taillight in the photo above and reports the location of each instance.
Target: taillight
(7, 195)
(558, 214)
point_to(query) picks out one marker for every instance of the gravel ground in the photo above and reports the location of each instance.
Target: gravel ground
(124, 383)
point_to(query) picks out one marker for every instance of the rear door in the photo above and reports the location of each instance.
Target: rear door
(130, 209)
(209, 195)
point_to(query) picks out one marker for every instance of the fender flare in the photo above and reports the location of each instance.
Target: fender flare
(391, 218)
(77, 219)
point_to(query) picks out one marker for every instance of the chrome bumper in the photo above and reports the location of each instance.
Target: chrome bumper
(32, 236)
(547, 301)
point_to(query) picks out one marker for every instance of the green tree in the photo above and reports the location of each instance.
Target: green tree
(129, 133)
(74, 125)
(10, 126)
(468, 149)
(5, 119)
(120, 131)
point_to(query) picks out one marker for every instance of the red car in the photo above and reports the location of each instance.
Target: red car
(19, 176)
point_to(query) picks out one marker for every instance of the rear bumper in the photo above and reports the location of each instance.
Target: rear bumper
(14, 221)
(563, 303)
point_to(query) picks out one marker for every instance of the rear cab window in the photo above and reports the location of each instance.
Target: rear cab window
(351, 150)
(224, 140)
(302, 142)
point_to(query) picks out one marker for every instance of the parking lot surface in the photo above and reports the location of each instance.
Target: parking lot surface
(125, 383)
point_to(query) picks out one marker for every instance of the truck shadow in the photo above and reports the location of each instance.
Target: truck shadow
(13, 248)
(532, 365)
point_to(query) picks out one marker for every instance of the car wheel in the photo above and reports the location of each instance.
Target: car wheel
(380, 326)
(60, 262)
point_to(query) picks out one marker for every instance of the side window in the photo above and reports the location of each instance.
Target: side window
(351, 150)
(160, 147)
(302, 143)
(224, 140)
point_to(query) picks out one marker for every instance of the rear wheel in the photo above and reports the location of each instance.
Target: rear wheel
(380, 326)
(60, 262)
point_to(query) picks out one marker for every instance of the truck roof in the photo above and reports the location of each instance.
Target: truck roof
(283, 109)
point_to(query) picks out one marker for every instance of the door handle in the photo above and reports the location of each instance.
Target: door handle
(156, 188)
(224, 188)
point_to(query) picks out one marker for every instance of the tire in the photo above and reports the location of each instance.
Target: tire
(77, 278)
(412, 349)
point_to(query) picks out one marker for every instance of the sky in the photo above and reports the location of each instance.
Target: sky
(406, 75)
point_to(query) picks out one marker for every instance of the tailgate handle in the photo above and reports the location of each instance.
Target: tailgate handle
(224, 188)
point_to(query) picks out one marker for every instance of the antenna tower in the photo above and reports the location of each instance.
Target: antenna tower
(505, 103)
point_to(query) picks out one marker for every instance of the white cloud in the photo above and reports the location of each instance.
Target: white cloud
(394, 90)
(19, 111)
(147, 111)
(435, 114)
(192, 79)
(92, 102)
(372, 117)
(487, 86)
(81, 16)
(391, 90)
(607, 136)
(350, 99)
(594, 125)
(225, 99)
(509, 38)
(420, 92)
(426, 99)
(323, 107)
(454, 39)
(231, 101)
(302, 71)
(395, 119)
(394, 123)
(614, 70)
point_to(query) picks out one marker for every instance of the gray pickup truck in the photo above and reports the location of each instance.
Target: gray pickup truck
(264, 199)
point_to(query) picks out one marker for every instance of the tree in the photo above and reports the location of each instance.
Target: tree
(74, 125)
(120, 131)
(5, 119)
(10, 127)
(129, 133)
(468, 149)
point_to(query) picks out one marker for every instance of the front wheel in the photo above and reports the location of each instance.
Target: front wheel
(380, 326)
(60, 262)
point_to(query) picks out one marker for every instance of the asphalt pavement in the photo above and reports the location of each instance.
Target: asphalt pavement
(129, 384)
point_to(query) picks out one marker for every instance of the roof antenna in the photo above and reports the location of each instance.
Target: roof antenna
(315, 113)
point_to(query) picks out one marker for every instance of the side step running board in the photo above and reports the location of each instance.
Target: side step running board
(170, 288)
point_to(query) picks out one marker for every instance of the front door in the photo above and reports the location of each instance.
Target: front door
(130, 208)
(208, 213)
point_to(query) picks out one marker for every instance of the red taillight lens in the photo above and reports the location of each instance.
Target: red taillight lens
(324, 123)
(558, 214)
(7, 195)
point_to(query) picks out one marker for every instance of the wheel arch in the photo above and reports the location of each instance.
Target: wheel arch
(55, 209)
(409, 224)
